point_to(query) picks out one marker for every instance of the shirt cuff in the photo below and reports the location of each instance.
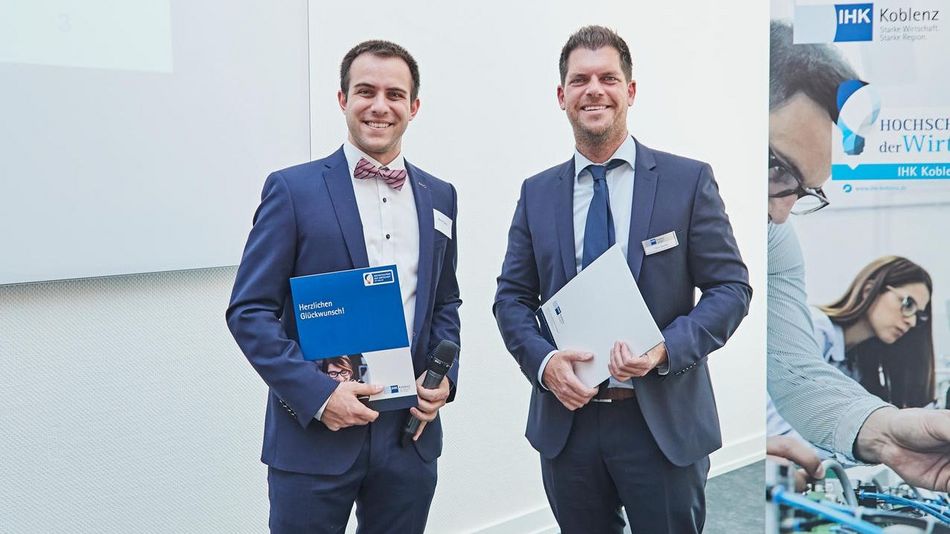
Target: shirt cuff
(544, 363)
(319, 415)
(850, 423)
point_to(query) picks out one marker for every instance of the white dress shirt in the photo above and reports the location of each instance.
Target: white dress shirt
(620, 195)
(390, 229)
(390, 226)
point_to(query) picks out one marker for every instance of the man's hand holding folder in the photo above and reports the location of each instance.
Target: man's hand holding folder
(624, 365)
(599, 315)
(345, 409)
(559, 377)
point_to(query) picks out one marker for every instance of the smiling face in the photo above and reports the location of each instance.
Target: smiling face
(378, 105)
(885, 317)
(800, 136)
(596, 95)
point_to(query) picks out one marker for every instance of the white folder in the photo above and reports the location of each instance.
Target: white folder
(599, 306)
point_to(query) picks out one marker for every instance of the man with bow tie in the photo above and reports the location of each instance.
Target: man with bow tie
(364, 205)
(640, 440)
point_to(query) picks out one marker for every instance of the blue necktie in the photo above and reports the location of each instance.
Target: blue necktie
(599, 231)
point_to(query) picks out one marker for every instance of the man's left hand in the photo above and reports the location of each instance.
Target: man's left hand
(430, 400)
(914, 442)
(624, 365)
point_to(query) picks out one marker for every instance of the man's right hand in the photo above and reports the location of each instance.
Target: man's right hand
(559, 377)
(785, 449)
(344, 409)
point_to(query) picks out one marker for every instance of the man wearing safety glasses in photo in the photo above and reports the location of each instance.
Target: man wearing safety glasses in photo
(788, 192)
(827, 408)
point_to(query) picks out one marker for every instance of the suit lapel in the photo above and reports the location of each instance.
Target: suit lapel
(564, 218)
(644, 193)
(340, 185)
(423, 198)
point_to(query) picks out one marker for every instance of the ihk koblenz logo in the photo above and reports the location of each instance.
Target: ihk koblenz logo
(834, 23)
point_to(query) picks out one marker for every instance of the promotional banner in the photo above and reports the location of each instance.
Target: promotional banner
(892, 136)
(859, 191)
(878, 71)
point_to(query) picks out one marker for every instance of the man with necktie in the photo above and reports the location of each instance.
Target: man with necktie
(640, 440)
(364, 205)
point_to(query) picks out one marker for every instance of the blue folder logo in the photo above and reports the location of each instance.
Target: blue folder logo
(376, 278)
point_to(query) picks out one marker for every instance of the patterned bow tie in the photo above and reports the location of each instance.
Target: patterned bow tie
(395, 178)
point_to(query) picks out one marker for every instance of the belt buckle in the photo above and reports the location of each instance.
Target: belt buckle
(602, 400)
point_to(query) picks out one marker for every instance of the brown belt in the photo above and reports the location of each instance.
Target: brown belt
(614, 394)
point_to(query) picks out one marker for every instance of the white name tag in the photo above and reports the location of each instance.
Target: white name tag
(442, 223)
(659, 243)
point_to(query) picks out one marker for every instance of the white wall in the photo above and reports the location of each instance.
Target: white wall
(135, 134)
(127, 407)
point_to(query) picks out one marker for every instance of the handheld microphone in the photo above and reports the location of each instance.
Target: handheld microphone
(442, 358)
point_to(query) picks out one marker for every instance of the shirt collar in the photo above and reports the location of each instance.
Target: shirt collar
(626, 152)
(354, 154)
(837, 347)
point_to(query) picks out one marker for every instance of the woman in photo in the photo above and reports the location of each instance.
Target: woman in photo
(342, 368)
(878, 332)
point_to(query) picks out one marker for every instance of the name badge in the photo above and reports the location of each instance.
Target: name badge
(659, 243)
(442, 223)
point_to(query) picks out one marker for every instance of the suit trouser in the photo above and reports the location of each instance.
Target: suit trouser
(611, 460)
(391, 485)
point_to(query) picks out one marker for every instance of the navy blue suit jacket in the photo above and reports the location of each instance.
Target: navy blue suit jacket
(671, 193)
(308, 222)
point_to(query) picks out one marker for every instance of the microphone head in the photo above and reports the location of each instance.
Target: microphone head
(444, 355)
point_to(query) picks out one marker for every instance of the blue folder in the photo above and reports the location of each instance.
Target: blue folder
(358, 313)
(349, 312)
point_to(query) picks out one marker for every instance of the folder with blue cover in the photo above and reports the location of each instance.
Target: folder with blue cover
(353, 322)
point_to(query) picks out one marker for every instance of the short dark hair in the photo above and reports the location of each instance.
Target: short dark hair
(383, 49)
(593, 38)
(816, 70)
